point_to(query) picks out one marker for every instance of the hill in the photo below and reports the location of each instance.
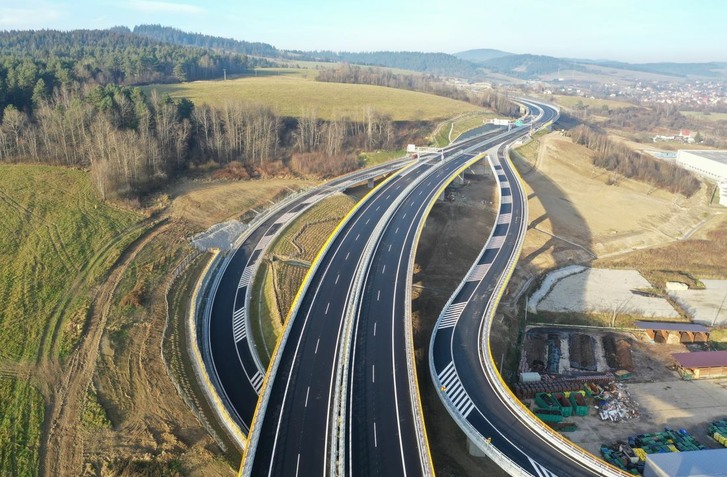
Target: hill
(481, 55)
(709, 70)
(440, 64)
(176, 36)
(35, 63)
(291, 94)
(528, 66)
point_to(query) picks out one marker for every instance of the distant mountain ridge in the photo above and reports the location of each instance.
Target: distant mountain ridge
(441, 64)
(481, 55)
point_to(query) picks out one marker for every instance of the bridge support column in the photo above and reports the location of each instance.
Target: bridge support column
(371, 183)
(474, 450)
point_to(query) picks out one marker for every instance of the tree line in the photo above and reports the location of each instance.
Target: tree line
(619, 158)
(132, 143)
(347, 73)
(178, 37)
(440, 64)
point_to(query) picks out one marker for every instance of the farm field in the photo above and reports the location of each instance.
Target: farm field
(291, 93)
(57, 241)
(708, 117)
(571, 101)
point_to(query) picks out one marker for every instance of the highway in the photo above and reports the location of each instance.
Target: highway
(296, 427)
(230, 357)
(461, 362)
(385, 435)
(295, 422)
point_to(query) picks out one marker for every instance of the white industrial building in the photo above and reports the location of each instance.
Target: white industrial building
(709, 164)
(704, 463)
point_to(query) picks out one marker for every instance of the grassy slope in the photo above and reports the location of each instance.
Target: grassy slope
(53, 239)
(290, 93)
(571, 101)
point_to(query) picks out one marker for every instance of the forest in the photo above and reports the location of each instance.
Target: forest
(35, 63)
(132, 143)
(178, 37)
(69, 98)
(440, 64)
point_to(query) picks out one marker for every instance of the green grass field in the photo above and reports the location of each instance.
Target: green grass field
(291, 92)
(706, 117)
(56, 241)
(571, 101)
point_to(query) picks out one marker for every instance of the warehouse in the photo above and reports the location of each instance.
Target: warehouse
(705, 463)
(709, 164)
(702, 364)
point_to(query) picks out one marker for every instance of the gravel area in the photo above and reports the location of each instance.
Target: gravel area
(708, 306)
(605, 291)
(220, 236)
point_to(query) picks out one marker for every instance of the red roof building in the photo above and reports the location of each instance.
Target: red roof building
(702, 364)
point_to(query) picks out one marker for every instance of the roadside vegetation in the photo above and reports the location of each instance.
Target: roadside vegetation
(620, 158)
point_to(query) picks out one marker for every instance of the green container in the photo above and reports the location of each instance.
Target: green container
(548, 415)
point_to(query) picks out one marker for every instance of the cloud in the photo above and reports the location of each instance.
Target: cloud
(164, 7)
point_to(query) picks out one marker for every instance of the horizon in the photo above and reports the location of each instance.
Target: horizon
(649, 31)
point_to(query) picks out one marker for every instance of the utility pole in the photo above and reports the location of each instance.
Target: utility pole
(224, 74)
(716, 315)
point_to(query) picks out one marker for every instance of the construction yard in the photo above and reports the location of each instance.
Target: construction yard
(652, 396)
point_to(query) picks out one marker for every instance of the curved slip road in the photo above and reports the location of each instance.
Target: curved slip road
(229, 354)
(461, 363)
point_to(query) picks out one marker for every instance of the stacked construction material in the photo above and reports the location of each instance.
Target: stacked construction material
(559, 385)
(667, 441)
(615, 404)
(624, 457)
(631, 456)
(718, 431)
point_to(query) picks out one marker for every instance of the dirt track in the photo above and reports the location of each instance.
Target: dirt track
(61, 451)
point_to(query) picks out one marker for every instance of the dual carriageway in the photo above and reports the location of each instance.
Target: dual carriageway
(341, 397)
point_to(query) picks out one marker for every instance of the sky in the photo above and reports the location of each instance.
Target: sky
(635, 31)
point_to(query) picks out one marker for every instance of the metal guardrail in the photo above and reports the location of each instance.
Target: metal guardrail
(356, 177)
(208, 287)
(506, 395)
(199, 367)
(411, 362)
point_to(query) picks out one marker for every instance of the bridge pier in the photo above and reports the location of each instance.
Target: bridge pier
(371, 183)
(473, 449)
